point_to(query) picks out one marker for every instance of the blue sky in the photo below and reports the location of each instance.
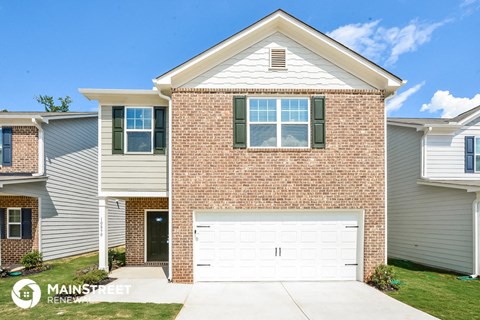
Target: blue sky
(56, 47)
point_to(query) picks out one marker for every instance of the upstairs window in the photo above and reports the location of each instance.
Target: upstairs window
(278, 123)
(1, 146)
(278, 58)
(139, 130)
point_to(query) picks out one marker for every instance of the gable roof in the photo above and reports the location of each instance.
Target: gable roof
(281, 21)
(461, 119)
(45, 116)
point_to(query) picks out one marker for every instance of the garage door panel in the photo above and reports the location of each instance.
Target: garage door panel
(275, 246)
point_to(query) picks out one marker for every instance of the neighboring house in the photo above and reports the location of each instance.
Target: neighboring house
(48, 186)
(262, 158)
(434, 191)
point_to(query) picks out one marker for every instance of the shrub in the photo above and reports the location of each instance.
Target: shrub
(32, 260)
(382, 278)
(92, 277)
(115, 258)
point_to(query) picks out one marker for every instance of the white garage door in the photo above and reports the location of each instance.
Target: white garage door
(277, 246)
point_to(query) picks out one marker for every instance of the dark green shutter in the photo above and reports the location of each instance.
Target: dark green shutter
(7, 147)
(3, 230)
(118, 115)
(318, 122)
(159, 137)
(26, 223)
(469, 154)
(239, 121)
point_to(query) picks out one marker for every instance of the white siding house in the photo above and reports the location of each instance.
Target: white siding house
(68, 194)
(433, 191)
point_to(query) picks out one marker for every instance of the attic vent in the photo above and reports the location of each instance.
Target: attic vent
(278, 58)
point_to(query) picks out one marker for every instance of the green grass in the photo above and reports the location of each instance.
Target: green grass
(437, 292)
(63, 270)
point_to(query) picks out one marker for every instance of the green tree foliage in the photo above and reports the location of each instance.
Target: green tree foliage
(50, 106)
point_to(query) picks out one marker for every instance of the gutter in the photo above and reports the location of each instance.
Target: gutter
(169, 169)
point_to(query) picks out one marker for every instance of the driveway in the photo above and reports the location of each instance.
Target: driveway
(292, 301)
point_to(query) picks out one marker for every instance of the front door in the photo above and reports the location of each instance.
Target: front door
(157, 236)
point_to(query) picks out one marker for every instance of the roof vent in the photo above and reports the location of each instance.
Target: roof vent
(278, 58)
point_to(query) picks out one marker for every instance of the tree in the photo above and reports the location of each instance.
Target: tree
(50, 106)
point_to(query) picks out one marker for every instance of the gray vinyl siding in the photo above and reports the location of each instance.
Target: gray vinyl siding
(69, 198)
(129, 172)
(426, 224)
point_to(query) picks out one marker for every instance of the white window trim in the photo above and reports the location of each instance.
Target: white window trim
(475, 154)
(125, 141)
(14, 223)
(279, 122)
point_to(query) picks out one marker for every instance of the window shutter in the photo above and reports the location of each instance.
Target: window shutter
(118, 114)
(7, 147)
(159, 130)
(26, 223)
(318, 122)
(469, 154)
(239, 121)
(3, 230)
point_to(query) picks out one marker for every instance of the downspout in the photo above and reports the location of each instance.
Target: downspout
(41, 172)
(41, 149)
(169, 170)
(424, 152)
(476, 237)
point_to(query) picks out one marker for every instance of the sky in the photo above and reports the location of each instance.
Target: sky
(53, 48)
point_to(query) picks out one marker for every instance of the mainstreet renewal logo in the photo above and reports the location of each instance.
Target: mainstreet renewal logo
(26, 293)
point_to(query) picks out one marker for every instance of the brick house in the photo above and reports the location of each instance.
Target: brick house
(262, 158)
(48, 186)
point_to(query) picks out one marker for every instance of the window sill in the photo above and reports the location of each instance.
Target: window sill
(10, 238)
(277, 69)
(279, 150)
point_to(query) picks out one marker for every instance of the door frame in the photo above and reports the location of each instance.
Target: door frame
(360, 213)
(145, 212)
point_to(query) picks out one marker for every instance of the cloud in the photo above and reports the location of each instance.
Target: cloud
(397, 101)
(449, 105)
(385, 45)
(470, 6)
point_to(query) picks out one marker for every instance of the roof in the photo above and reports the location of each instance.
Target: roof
(15, 179)
(46, 115)
(299, 31)
(461, 119)
(469, 185)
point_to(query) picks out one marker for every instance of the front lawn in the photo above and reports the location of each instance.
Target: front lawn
(62, 271)
(437, 293)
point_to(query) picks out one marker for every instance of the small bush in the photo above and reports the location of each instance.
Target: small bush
(382, 278)
(32, 260)
(92, 277)
(116, 258)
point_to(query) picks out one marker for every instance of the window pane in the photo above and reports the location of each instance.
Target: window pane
(139, 142)
(130, 113)
(263, 110)
(138, 124)
(14, 230)
(14, 215)
(139, 118)
(294, 135)
(138, 113)
(477, 145)
(294, 110)
(130, 124)
(263, 135)
(477, 163)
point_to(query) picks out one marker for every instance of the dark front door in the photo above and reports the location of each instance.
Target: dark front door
(157, 236)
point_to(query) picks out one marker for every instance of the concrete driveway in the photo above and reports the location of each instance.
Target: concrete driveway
(292, 301)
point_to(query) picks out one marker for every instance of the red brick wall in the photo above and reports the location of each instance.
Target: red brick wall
(24, 150)
(209, 174)
(135, 226)
(14, 249)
